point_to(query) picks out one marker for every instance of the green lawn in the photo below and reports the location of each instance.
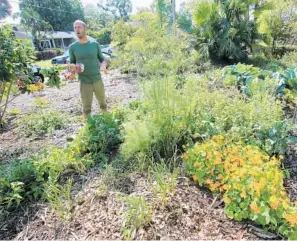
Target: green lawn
(44, 63)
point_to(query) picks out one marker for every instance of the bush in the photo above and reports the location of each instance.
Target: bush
(59, 51)
(43, 122)
(290, 59)
(161, 55)
(45, 54)
(19, 181)
(27, 179)
(100, 134)
(251, 182)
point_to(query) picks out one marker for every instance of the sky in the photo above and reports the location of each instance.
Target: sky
(135, 4)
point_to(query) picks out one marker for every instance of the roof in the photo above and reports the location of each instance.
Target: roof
(64, 35)
(49, 35)
(23, 35)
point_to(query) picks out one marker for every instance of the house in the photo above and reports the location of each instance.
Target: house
(57, 39)
(49, 40)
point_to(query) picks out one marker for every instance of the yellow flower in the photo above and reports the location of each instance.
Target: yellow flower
(286, 205)
(255, 208)
(185, 156)
(227, 200)
(292, 219)
(208, 181)
(220, 176)
(196, 164)
(274, 202)
(195, 178)
(281, 157)
(218, 160)
(243, 194)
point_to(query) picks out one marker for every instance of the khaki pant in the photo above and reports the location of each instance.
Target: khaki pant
(86, 92)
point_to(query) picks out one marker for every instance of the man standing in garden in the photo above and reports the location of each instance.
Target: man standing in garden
(85, 56)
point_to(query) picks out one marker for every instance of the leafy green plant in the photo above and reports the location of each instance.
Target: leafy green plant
(137, 213)
(42, 122)
(100, 134)
(169, 117)
(276, 139)
(53, 75)
(16, 56)
(20, 181)
(58, 161)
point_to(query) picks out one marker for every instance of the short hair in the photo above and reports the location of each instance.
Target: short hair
(81, 22)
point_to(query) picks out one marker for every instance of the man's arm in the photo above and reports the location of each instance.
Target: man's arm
(101, 59)
(71, 55)
(99, 54)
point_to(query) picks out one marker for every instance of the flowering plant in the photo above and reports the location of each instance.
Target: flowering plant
(251, 182)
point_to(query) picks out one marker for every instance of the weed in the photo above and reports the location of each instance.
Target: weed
(42, 122)
(40, 103)
(14, 112)
(164, 181)
(137, 213)
(59, 198)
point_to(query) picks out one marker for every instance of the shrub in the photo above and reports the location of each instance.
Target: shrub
(42, 122)
(161, 55)
(290, 59)
(99, 135)
(168, 117)
(45, 54)
(19, 180)
(224, 29)
(251, 182)
(28, 179)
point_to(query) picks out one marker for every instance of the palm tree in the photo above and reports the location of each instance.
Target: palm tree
(225, 29)
(5, 9)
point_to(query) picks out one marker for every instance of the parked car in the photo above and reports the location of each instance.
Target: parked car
(37, 76)
(106, 49)
(107, 56)
(62, 59)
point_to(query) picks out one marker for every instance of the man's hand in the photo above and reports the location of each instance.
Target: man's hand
(72, 67)
(103, 66)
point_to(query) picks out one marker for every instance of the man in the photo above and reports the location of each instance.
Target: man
(87, 53)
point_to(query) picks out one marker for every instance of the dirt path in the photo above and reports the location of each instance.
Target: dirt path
(119, 89)
(190, 213)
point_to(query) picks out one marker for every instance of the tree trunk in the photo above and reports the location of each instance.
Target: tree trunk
(173, 11)
(6, 103)
(173, 16)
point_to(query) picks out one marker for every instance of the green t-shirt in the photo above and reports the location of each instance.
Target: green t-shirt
(88, 54)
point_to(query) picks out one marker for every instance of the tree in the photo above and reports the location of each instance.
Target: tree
(5, 9)
(163, 9)
(60, 14)
(225, 29)
(120, 9)
(97, 18)
(121, 33)
(99, 23)
(33, 22)
(279, 25)
(15, 57)
(184, 20)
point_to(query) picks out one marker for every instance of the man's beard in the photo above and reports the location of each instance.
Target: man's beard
(80, 36)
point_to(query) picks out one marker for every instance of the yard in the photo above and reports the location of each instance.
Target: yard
(199, 142)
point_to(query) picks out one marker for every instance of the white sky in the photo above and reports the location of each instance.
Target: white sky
(135, 4)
